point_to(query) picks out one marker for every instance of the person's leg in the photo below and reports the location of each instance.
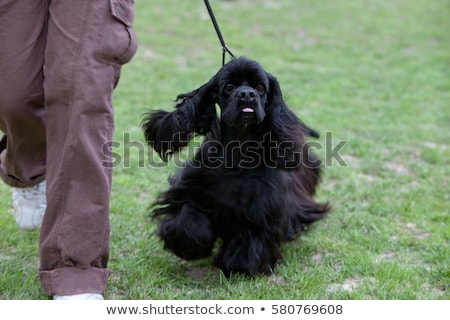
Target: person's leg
(22, 115)
(86, 44)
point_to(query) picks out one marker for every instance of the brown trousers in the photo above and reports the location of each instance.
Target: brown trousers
(59, 63)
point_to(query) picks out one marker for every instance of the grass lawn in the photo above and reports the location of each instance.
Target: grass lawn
(374, 75)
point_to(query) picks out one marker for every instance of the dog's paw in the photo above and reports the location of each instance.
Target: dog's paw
(188, 235)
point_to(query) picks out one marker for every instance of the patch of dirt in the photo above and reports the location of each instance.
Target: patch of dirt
(277, 280)
(273, 4)
(5, 257)
(319, 257)
(434, 145)
(398, 168)
(349, 285)
(386, 257)
(368, 177)
(353, 162)
(199, 273)
(418, 233)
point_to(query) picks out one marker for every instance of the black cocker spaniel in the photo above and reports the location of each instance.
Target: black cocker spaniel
(251, 184)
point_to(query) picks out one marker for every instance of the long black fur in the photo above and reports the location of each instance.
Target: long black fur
(252, 182)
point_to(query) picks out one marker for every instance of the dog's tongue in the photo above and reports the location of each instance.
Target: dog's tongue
(248, 110)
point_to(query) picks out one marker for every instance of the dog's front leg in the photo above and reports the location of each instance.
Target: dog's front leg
(249, 252)
(188, 233)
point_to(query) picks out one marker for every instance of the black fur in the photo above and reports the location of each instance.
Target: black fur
(252, 182)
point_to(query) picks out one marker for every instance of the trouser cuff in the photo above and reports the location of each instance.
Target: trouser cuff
(70, 281)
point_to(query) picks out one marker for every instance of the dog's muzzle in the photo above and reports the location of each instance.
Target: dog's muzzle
(250, 106)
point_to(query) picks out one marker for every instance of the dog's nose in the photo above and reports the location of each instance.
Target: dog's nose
(247, 95)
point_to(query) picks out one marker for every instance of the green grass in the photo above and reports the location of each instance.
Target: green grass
(374, 73)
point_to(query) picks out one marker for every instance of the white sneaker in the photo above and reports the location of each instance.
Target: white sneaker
(82, 296)
(29, 206)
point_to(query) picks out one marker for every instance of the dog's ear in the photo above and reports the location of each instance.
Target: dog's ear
(281, 115)
(168, 132)
(274, 96)
(290, 132)
(197, 109)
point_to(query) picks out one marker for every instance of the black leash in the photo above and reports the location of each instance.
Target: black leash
(219, 34)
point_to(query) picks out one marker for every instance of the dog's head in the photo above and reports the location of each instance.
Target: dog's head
(242, 89)
(246, 94)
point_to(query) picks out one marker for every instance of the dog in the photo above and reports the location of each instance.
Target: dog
(251, 184)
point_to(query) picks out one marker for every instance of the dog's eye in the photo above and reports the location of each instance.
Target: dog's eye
(229, 88)
(261, 89)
